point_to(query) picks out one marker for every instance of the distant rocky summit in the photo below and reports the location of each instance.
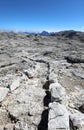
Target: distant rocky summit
(71, 34)
(42, 81)
(44, 33)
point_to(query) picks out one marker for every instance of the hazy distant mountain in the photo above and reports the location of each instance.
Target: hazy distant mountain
(42, 72)
(29, 33)
(44, 33)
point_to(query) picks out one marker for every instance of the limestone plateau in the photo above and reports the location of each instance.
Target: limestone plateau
(42, 81)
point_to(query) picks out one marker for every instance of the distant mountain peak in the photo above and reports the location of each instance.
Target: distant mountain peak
(44, 33)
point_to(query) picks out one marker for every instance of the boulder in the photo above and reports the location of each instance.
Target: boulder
(58, 93)
(58, 117)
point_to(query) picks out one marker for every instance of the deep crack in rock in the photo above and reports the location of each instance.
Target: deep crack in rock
(12, 118)
(43, 125)
(35, 60)
(74, 60)
(71, 125)
(81, 108)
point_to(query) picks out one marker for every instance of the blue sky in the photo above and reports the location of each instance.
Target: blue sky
(37, 15)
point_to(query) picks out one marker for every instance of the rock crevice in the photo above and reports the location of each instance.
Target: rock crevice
(41, 82)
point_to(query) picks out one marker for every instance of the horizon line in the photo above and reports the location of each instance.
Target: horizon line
(38, 31)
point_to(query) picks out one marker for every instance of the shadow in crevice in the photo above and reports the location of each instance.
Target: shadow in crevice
(81, 108)
(73, 60)
(47, 84)
(47, 98)
(71, 125)
(43, 125)
(12, 118)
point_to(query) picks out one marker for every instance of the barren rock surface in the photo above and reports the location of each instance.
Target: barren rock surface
(41, 82)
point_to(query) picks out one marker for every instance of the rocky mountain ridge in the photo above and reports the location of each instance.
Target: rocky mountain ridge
(41, 82)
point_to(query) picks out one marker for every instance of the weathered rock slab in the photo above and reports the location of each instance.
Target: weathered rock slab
(3, 93)
(77, 120)
(58, 93)
(58, 117)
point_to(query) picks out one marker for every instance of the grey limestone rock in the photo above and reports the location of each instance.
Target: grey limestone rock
(58, 117)
(77, 120)
(3, 93)
(58, 93)
(41, 81)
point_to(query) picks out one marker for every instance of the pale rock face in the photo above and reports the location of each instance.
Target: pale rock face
(39, 76)
(9, 127)
(29, 98)
(77, 120)
(26, 102)
(1, 127)
(58, 93)
(3, 117)
(3, 93)
(15, 84)
(58, 117)
(30, 73)
(21, 126)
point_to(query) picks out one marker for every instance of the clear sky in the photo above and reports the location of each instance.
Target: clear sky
(51, 15)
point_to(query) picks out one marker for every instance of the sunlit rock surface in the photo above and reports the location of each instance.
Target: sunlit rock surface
(42, 81)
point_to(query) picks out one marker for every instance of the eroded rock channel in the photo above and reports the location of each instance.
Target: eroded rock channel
(41, 82)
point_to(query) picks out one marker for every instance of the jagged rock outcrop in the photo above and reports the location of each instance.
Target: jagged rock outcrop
(42, 81)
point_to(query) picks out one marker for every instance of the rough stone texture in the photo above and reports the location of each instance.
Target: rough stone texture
(3, 93)
(15, 84)
(21, 126)
(9, 127)
(77, 120)
(39, 74)
(3, 116)
(58, 117)
(58, 93)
